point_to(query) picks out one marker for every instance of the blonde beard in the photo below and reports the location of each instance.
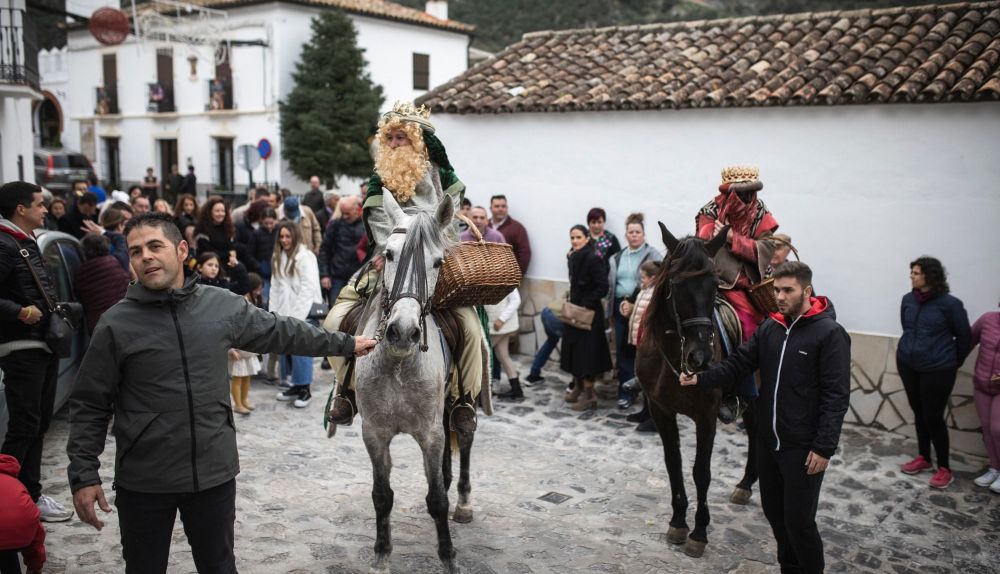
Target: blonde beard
(401, 169)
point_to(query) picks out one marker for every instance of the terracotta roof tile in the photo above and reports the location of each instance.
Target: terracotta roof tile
(937, 53)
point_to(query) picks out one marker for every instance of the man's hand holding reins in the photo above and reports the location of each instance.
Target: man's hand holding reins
(688, 379)
(363, 346)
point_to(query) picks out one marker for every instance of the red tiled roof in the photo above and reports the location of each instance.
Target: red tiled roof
(938, 53)
(374, 8)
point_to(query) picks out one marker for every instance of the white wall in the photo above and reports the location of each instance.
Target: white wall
(862, 190)
(15, 137)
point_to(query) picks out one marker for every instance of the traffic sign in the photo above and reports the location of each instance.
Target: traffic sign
(264, 148)
(247, 157)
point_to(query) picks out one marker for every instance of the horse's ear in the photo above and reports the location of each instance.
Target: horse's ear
(392, 208)
(717, 242)
(445, 211)
(668, 238)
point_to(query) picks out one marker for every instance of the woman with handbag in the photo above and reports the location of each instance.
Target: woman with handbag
(585, 352)
(294, 290)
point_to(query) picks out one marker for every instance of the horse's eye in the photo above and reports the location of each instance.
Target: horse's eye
(437, 263)
(388, 255)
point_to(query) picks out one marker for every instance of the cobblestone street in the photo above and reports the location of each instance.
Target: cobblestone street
(304, 501)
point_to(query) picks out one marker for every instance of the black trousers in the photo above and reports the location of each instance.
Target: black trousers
(30, 388)
(789, 498)
(928, 395)
(147, 523)
(10, 562)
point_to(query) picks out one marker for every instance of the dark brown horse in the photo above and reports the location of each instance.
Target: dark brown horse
(681, 336)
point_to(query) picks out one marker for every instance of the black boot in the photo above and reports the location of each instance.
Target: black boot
(641, 416)
(514, 394)
(732, 408)
(344, 408)
(646, 426)
(462, 417)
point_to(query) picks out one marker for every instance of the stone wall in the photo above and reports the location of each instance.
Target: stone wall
(877, 397)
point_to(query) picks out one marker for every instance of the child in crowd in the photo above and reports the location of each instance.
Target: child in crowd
(503, 328)
(243, 364)
(211, 273)
(634, 307)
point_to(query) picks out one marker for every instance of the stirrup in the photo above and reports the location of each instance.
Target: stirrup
(454, 409)
(330, 418)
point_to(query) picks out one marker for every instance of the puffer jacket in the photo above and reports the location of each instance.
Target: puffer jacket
(20, 528)
(986, 334)
(158, 363)
(505, 311)
(293, 295)
(99, 283)
(17, 286)
(936, 333)
(805, 371)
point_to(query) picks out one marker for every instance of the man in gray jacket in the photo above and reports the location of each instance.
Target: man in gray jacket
(157, 362)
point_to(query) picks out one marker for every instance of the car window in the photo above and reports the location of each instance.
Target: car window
(61, 260)
(78, 161)
(39, 160)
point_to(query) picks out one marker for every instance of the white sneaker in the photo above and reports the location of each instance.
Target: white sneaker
(51, 511)
(995, 487)
(988, 478)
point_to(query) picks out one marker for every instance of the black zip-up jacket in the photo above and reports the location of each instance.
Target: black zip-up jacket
(157, 362)
(805, 370)
(338, 254)
(17, 286)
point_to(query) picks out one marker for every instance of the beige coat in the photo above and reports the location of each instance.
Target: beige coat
(309, 228)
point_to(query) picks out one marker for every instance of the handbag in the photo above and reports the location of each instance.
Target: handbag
(62, 319)
(576, 316)
(318, 311)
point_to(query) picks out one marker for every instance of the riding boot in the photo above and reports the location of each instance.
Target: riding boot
(732, 408)
(344, 408)
(462, 416)
(588, 399)
(640, 416)
(238, 408)
(514, 394)
(573, 394)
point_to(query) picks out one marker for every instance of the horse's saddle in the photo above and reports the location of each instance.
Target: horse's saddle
(730, 328)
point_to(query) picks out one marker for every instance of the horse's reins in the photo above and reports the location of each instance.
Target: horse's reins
(417, 291)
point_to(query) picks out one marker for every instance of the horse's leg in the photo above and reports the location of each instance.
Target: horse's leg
(463, 509)
(705, 433)
(432, 446)
(743, 491)
(377, 443)
(446, 458)
(666, 425)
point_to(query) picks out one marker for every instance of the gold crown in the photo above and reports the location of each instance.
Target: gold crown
(740, 174)
(407, 112)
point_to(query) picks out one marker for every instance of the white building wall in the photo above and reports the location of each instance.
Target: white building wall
(862, 190)
(16, 142)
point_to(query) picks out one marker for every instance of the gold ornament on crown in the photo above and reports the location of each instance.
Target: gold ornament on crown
(740, 174)
(407, 112)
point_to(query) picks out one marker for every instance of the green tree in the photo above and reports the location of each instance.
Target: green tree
(334, 106)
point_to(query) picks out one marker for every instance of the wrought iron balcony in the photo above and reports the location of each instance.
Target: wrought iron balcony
(18, 48)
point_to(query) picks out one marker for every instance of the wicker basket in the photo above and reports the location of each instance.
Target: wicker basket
(762, 296)
(476, 273)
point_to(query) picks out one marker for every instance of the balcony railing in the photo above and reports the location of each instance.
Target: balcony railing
(18, 48)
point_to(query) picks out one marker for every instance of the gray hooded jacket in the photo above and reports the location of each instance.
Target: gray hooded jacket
(158, 362)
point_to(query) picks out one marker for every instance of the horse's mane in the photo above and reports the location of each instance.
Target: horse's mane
(689, 259)
(423, 230)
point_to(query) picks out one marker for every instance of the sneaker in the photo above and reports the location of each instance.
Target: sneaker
(625, 403)
(304, 398)
(289, 394)
(533, 378)
(51, 511)
(284, 384)
(916, 466)
(995, 487)
(942, 478)
(988, 478)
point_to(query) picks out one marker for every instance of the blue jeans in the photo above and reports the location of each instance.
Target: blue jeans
(335, 286)
(553, 332)
(301, 369)
(624, 353)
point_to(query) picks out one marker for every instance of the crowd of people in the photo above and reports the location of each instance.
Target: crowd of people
(280, 263)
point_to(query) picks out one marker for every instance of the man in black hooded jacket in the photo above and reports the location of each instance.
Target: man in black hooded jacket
(804, 357)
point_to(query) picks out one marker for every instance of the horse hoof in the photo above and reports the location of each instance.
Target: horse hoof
(378, 570)
(451, 567)
(462, 515)
(695, 549)
(740, 496)
(677, 535)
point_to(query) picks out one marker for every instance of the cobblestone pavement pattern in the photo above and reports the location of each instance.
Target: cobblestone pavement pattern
(304, 502)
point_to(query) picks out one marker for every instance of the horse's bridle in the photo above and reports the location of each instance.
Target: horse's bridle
(417, 288)
(681, 325)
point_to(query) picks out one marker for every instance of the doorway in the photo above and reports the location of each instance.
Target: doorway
(168, 160)
(112, 168)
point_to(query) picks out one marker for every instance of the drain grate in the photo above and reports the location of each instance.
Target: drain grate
(555, 497)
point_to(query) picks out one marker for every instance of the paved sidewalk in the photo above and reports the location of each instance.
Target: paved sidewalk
(304, 502)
